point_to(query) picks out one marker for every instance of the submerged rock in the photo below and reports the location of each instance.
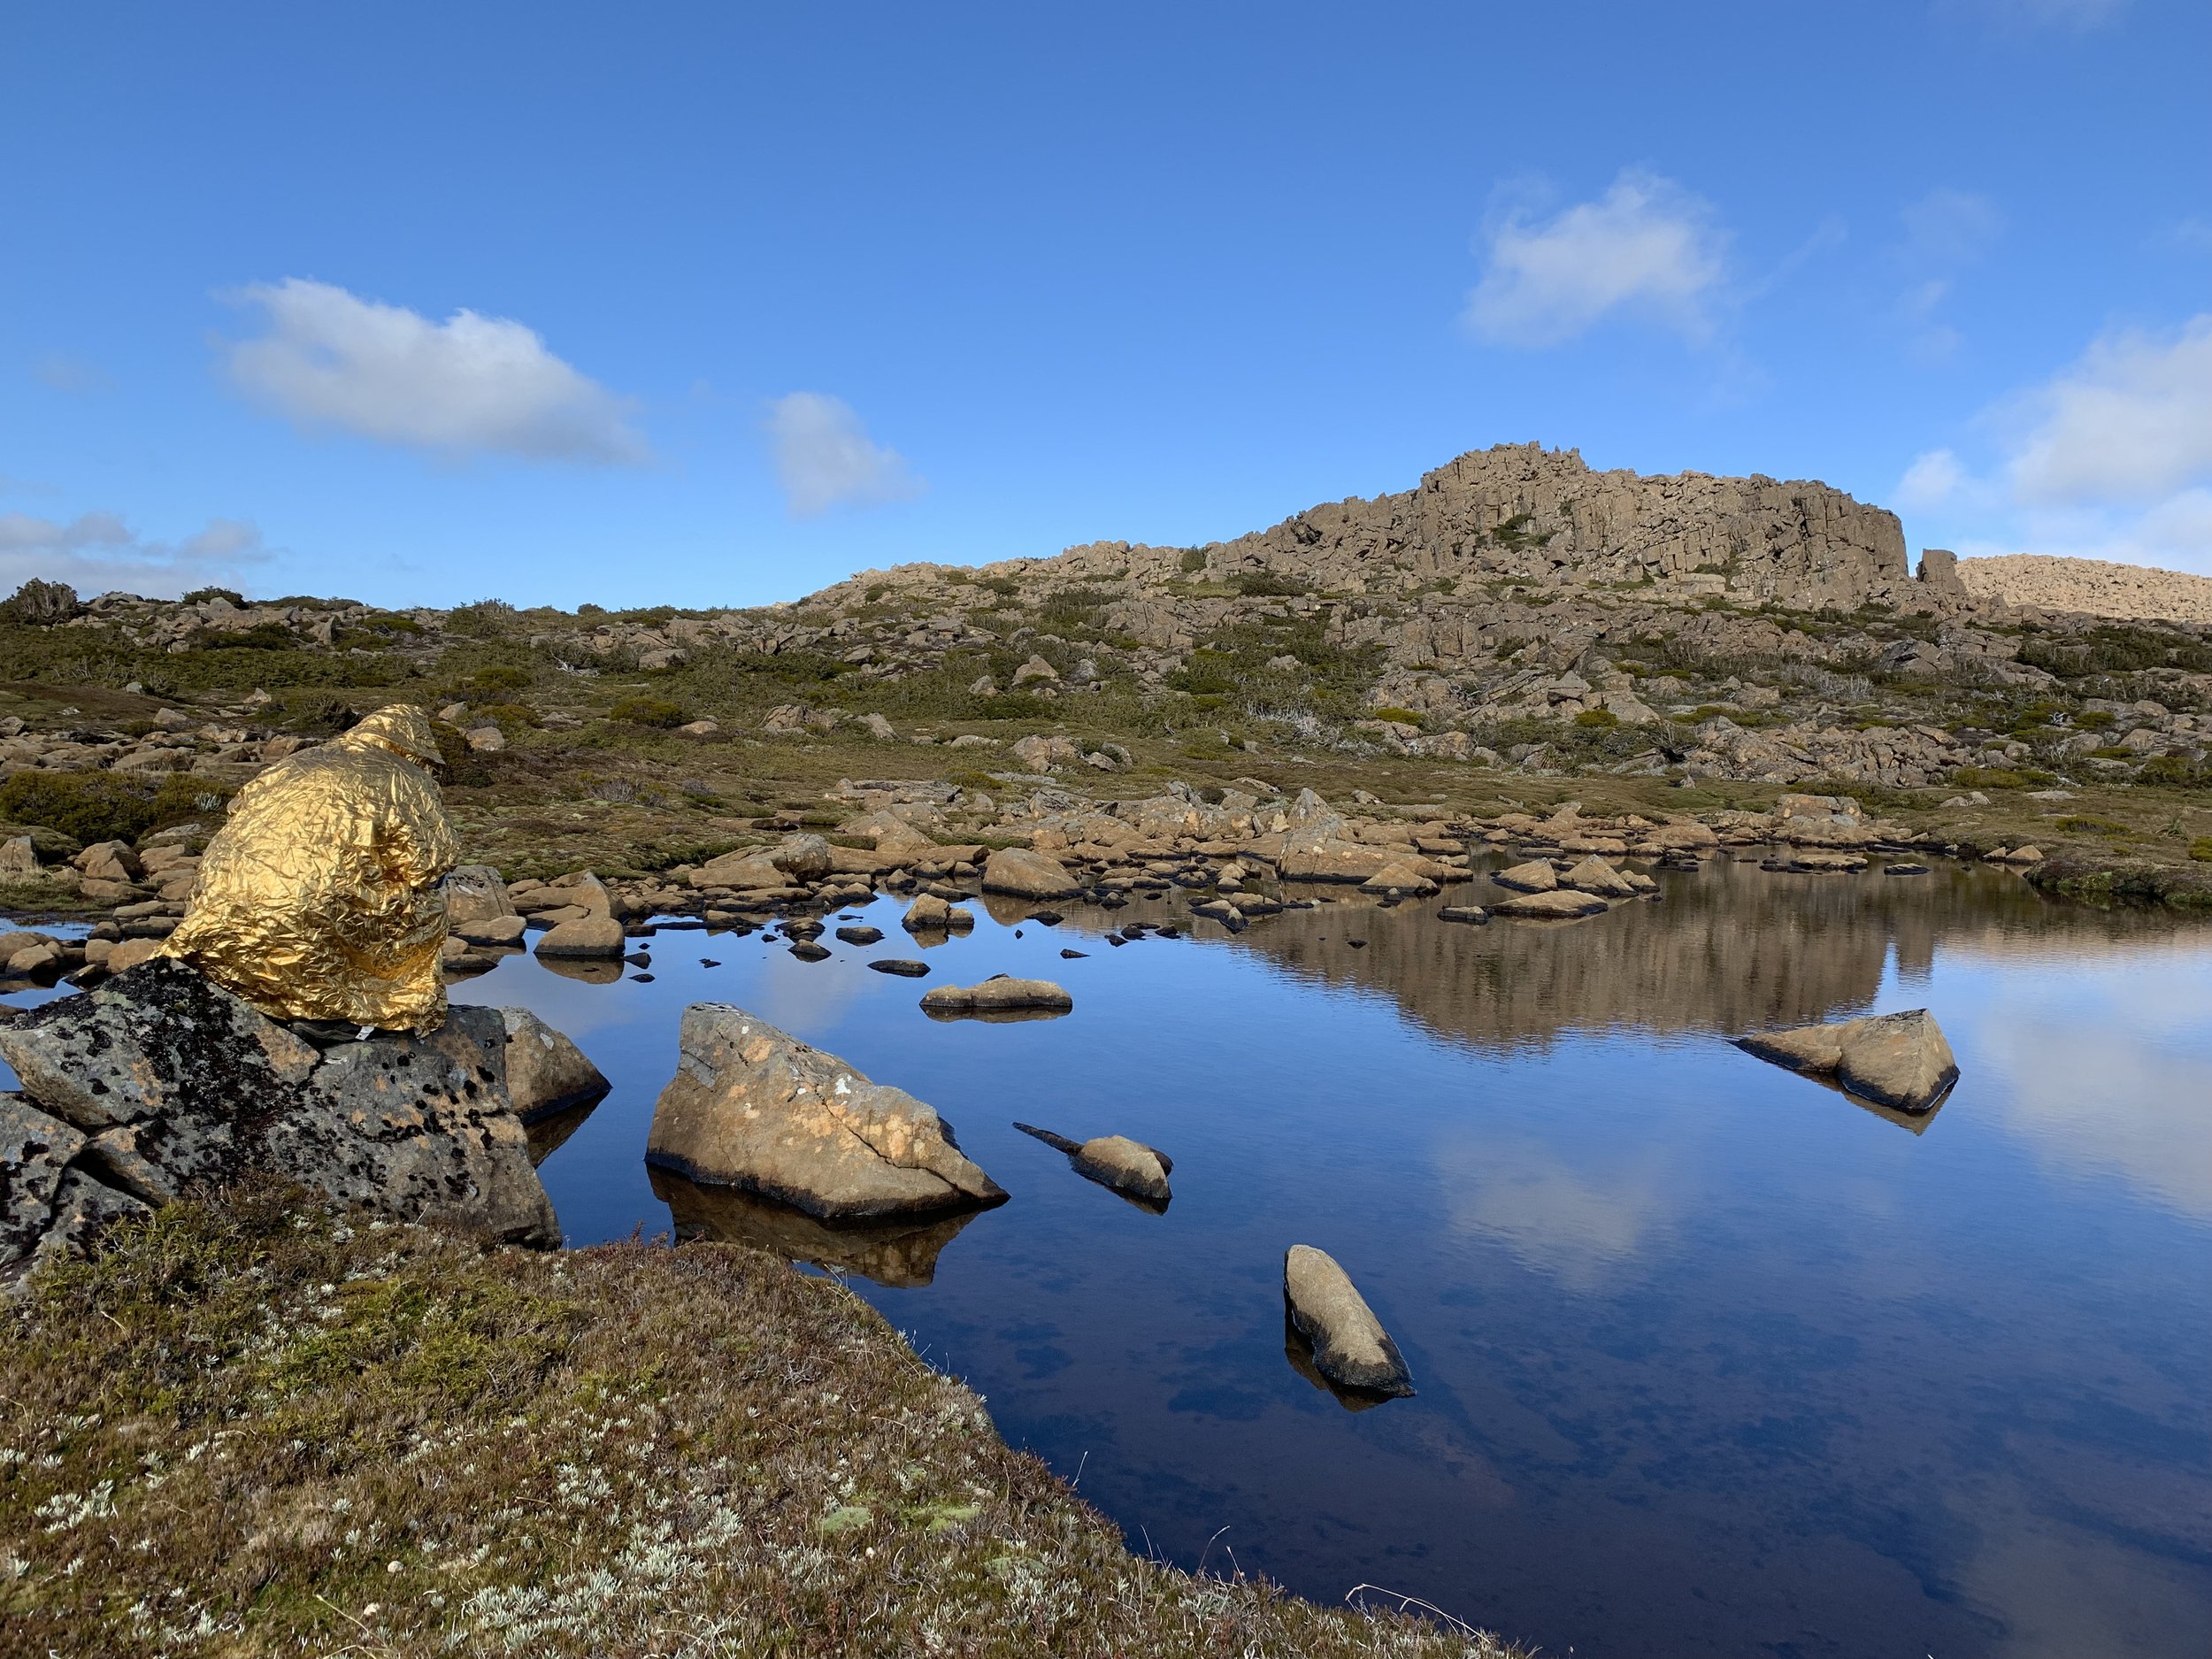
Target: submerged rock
(1473, 913)
(752, 1107)
(1350, 1347)
(862, 934)
(905, 967)
(174, 1084)
(1900, 1061)
(1000, 995)
(1129, 1167)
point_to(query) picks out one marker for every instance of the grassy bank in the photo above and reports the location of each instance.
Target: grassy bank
(252, 1427)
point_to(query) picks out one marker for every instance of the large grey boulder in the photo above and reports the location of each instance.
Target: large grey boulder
(1351, 1347)
(1022, 874)
(1130, 1167)
(547, 1074)
(1900, 1061)
(753, 1107)
(176, 1085)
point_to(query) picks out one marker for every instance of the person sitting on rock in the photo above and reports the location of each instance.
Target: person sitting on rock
(318, 899)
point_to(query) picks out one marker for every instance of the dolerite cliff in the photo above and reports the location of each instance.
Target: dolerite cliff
(1520, 512)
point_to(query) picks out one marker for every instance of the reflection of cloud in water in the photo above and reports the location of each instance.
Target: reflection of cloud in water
(1583, 1224)
(805, 995)
(2109, 1069)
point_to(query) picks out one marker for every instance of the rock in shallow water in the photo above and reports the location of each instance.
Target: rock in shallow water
(1900, 1061)
(1130, 1167)
(587, 937)
(547, 1074)
(753, 1107)
(1028, 875)
(1350, 1347)
(999, 994)
(1560, 905)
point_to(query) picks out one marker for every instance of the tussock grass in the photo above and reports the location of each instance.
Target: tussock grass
(253, 1428)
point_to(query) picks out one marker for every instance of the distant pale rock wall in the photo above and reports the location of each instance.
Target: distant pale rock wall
(1523, 512)
(2134, 591)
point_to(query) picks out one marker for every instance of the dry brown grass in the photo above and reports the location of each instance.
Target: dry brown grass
(254, 1428)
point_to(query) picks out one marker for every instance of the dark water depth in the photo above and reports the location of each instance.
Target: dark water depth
(1711, 1359)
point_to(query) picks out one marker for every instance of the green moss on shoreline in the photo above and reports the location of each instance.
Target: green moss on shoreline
(253, 1428)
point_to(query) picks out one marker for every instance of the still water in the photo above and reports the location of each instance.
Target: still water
(1711, 1359)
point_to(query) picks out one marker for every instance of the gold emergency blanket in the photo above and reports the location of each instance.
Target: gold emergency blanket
(318, 899)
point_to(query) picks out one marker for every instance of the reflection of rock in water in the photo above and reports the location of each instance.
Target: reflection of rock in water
(898, 1257)
(1730, 948)
(590, 971)
(1917, 1121)
(548, 1132)
(1299, 1352)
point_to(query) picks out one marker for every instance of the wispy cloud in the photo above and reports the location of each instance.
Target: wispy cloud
(59, 371)
(2109, 458)
(1647, 249)
(1946, 232)
(470, 385)
(2020, 17)
(825, 457)
(96, 552)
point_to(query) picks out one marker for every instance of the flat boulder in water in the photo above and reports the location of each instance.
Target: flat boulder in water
(1000, 995)
(1350, 1347)
(753, 1107)
(1900, 1061)
(1558, 905)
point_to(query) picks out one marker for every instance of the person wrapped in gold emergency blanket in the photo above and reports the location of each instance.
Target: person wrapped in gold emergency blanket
(318, 899)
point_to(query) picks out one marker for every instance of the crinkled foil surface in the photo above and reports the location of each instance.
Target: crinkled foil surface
(318, 899)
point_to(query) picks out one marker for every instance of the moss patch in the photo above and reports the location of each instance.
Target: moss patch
(252, 1427)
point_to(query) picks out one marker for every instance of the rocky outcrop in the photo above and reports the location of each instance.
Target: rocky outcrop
(1130, 1167)
(1000, 997)
(754, 1108)
(165, 1084)
(1900, 1061)
(1350, 1347)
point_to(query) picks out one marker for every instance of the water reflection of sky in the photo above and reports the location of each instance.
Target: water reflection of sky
(1711, 1359)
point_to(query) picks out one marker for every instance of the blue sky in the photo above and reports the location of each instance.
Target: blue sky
(711, 304)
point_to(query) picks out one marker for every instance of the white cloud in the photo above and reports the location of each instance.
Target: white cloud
(2109, 459)
(825, 457)
(1945, 231)
(2131, 419)
(471, 384)
(1646, 247)
(96, 552)
(1931, 481)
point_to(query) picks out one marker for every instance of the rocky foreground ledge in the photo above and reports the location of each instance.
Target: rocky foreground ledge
(255, 1427)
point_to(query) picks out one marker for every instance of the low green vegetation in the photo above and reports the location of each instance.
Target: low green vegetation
(98, 806)
(253, 1428)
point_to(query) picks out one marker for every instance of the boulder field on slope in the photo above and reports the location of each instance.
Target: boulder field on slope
(1900, 1061)
(752, 1107)
(158, 1081)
